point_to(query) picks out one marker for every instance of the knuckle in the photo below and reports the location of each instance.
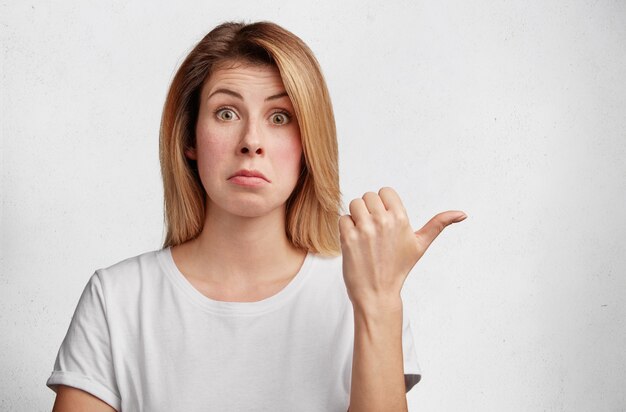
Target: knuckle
(383, 221)
(439, 225)
(385, 189)
(390, 223)
(401, 218)
(345, 221)
(354, 202)
(441, 221)
(350, 236)
(368, 230)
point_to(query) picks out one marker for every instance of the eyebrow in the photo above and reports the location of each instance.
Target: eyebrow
(240, 97)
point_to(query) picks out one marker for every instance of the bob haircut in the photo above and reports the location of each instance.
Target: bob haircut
(312, 210)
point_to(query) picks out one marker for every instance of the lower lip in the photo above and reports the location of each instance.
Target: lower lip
(249, 181)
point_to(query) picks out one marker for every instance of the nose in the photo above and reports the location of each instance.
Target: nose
(254, 149)
(251, 141)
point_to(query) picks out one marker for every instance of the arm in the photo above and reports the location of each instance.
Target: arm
(75, 400)
(377, 364)
(379, 250)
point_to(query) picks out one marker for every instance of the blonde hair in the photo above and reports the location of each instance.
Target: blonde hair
(313, 207)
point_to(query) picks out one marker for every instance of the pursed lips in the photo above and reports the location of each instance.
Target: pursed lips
(250, 173)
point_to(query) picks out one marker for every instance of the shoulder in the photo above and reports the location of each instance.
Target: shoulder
(326, 275)
(131, 266)
(130, 275)
(326, 266)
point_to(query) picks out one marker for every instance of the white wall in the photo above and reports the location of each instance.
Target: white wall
(512, 111)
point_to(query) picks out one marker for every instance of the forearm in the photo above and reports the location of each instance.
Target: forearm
(377, 364)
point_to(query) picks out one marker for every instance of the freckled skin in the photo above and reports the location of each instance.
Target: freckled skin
(235, 133)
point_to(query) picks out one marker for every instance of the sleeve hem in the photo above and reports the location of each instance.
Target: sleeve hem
(86, 384)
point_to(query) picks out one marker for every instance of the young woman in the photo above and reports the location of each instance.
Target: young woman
(263, 296)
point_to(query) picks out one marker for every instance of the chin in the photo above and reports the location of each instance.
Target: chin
(251, 208)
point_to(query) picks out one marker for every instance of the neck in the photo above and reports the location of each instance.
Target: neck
(236, 249)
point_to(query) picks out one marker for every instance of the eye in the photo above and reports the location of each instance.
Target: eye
(226, 114)
(280, 118)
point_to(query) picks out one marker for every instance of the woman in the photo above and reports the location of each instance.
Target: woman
(249, 305)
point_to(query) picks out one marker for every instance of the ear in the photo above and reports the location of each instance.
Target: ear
(191, 154)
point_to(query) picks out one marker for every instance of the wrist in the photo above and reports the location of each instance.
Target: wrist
(377, 305)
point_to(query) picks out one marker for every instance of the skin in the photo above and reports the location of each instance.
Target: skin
(243, 253)
(379, 249)
(74, 400)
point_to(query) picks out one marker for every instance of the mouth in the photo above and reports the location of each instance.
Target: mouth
(249, 175)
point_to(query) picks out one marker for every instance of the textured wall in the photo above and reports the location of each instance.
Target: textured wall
(512, 111)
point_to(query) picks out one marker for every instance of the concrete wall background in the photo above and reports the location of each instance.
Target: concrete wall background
(512, 111)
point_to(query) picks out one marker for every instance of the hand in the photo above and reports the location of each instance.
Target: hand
(380, 248)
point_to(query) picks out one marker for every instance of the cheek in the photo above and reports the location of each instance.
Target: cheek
(290, 154)
(212, 147)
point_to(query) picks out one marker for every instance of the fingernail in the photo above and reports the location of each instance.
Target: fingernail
(460, 218)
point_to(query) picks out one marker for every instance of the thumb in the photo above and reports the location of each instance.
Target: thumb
(427, 234)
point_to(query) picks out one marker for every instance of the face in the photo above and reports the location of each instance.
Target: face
(248, 148)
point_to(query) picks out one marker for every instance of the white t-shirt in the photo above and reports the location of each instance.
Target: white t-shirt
(143, 338)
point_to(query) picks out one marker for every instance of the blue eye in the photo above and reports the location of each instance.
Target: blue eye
(280, 118)
(226, 114)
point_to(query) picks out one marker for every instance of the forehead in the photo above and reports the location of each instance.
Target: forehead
(244, 78)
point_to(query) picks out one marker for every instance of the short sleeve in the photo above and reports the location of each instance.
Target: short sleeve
(84, 360)
(412, 371)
